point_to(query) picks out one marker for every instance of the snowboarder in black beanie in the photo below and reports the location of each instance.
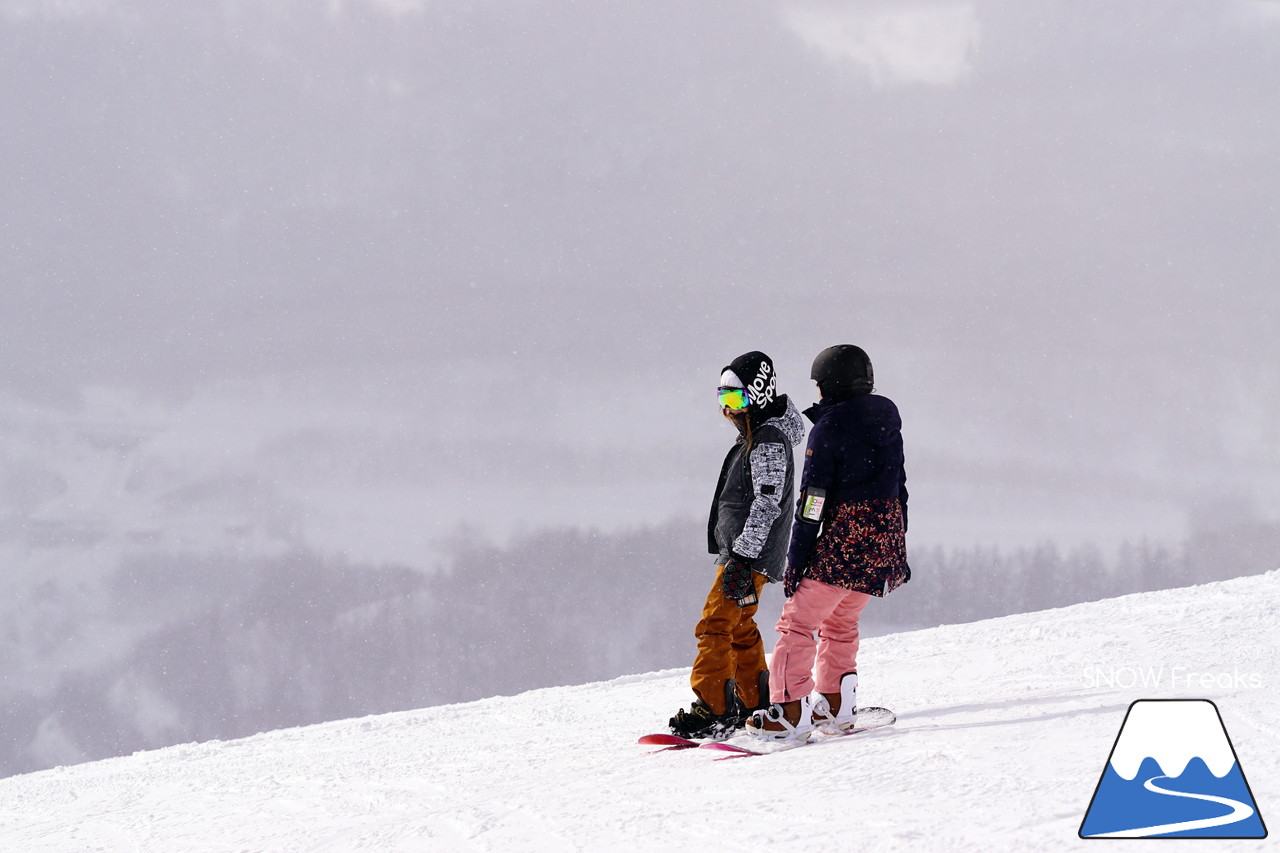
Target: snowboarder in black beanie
(748, 531)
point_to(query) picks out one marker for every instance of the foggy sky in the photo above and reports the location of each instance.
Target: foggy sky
(511, 244)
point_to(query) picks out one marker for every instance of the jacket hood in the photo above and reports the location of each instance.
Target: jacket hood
(874, 418)
(790, 422)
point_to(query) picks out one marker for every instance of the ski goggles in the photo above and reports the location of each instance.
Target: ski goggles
(734, 399)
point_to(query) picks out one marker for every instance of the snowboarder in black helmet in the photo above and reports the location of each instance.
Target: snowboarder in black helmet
(748, 530)
(847, 545)
(842, 371)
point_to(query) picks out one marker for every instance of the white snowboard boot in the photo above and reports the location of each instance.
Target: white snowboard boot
(845, 713)
(772, 723)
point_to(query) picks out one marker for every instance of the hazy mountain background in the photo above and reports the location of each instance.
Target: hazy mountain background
(336, 332)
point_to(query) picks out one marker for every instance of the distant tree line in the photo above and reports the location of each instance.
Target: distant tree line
(303, 638)
(966, 584)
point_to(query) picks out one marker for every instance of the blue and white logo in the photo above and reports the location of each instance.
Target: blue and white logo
(1173, 773)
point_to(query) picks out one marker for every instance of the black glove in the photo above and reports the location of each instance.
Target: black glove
(738, 583)
(791, 581)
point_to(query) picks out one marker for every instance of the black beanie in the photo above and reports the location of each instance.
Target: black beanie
(755, 369)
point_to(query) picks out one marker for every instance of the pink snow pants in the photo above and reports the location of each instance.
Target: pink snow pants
(832, 612)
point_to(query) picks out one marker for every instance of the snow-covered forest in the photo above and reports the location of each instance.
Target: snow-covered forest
(224, 648)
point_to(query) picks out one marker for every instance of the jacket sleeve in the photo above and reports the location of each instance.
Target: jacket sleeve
(819, 473)
(769, 461)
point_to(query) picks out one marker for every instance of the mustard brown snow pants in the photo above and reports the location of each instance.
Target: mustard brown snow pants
(729, 646)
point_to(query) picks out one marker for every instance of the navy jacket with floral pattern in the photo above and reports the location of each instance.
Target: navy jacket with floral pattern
(854, 454)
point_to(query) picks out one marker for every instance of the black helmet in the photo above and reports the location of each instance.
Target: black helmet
(842, 371)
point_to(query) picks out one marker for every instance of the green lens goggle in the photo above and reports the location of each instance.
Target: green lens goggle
(734, 399)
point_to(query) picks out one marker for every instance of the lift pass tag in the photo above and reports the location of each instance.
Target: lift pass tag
(811, 509)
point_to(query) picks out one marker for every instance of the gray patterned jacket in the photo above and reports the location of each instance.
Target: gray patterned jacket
(747, 516)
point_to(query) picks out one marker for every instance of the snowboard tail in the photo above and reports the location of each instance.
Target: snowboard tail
(668, 741)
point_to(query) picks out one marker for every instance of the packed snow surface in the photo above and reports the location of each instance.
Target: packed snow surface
(1004, 728)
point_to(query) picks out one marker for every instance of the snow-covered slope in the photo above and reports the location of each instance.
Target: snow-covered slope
(1004, 729)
